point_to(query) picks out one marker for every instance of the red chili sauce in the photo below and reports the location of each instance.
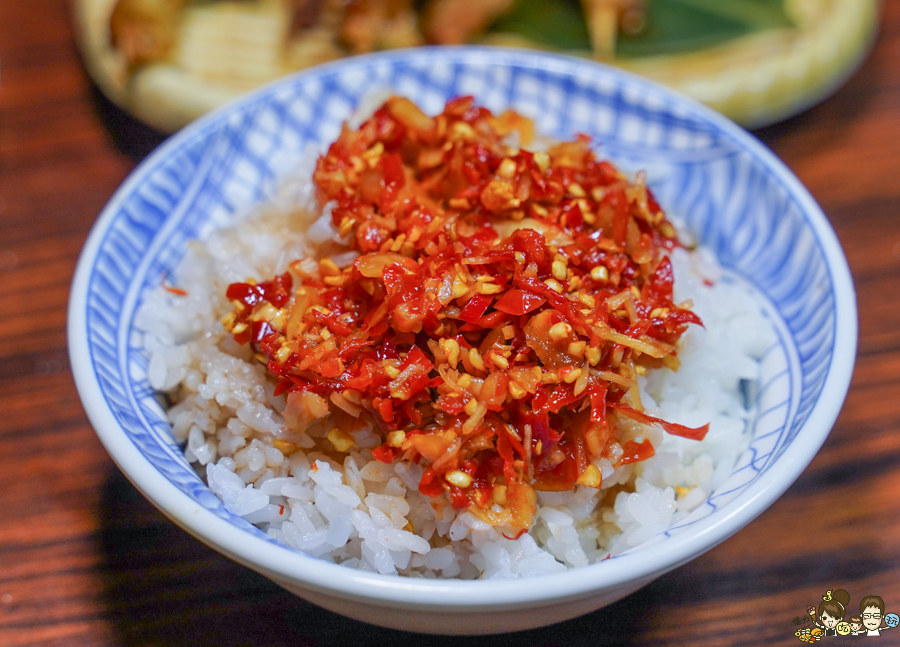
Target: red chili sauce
(494, 324)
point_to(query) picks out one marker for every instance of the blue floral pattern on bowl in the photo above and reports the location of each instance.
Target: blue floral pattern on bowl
(726, 193)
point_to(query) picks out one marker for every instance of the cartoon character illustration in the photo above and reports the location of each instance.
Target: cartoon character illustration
(831, 611)
(856, 625)
(871, 608)
(808, 636)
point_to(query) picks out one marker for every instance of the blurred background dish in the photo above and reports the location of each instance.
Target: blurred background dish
(756, 61)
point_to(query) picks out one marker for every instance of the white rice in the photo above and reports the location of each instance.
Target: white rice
(359, 513)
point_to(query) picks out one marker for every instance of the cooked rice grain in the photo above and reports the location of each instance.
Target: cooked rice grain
(367, 515)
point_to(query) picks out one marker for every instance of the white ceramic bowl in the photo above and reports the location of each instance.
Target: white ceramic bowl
(733, 193)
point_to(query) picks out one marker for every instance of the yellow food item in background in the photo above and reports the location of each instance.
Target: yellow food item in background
(169, 61)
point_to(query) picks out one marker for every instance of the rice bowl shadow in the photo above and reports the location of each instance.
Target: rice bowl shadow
(162, 587)
(129, 135)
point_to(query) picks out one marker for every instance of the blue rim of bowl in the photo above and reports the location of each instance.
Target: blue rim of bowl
(284, 564)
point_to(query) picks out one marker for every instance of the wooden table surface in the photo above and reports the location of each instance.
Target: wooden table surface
(85, 560)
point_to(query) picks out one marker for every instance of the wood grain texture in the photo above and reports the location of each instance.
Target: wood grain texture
(85, 560)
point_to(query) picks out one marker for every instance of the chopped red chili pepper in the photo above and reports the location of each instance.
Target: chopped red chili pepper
(501, 305)
(698, 433)
(475, 308)
(518, 302)
(633, 452)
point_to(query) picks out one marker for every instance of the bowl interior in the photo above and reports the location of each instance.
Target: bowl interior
(734, 196)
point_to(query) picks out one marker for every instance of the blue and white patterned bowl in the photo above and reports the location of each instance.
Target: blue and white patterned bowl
(733, 193)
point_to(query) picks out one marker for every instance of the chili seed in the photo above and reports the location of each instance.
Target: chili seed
(559, 331)
(328, 268)
(489, 288)
(450, 347)
(459, 478)
(554, 285)
(341, 440)
(516, 391)
(282, 354)
(576, 190)
(396, 438)
(591, 477)
(559, 270)
(507, 169)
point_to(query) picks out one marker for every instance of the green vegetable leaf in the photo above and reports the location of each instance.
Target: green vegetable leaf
(673, 26)
(559, 24)
(756, 14)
